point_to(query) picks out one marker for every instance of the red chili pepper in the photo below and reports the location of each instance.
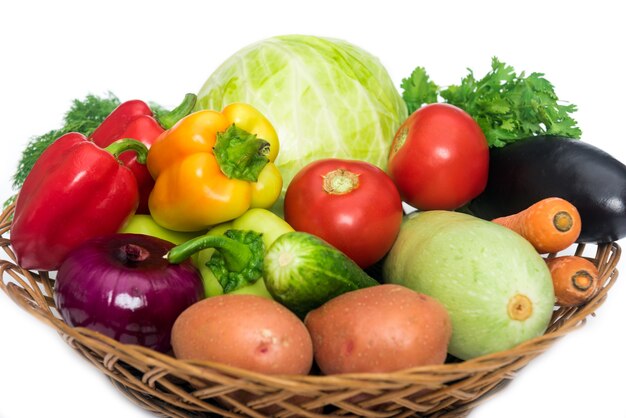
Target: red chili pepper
(75, 191)
(134, 119)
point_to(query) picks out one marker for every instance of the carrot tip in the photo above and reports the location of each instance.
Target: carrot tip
(563, 221)
(582, 280)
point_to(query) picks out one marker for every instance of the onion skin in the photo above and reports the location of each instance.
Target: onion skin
(121, 286)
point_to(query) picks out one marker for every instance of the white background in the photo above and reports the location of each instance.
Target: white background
(53, 52)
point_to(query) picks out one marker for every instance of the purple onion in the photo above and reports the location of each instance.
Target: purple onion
(121, 286)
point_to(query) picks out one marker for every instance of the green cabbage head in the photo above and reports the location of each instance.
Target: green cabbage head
(325, 98)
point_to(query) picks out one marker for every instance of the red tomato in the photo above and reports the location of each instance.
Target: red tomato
(353, 205)
(439, 158)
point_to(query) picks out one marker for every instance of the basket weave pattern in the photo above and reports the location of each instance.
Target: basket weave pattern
(174, 388)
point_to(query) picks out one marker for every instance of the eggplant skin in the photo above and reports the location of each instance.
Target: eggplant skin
(529, 170)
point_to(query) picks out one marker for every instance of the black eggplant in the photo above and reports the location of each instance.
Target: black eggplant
(527, 171)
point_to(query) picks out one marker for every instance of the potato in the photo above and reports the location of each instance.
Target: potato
(245, 331)
(379, 329)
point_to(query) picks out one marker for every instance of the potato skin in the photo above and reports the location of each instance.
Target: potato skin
(246, 331)
(379, 329)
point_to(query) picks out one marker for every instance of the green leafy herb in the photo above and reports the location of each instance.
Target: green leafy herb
(418, 90)
(507, 106)
(84, 116)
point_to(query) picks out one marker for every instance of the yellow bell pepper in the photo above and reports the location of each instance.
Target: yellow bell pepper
(211, 167)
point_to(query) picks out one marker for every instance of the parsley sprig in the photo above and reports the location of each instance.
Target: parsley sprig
(507, 106)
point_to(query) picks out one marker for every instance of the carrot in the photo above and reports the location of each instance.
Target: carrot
(575, 279)
(550, 225)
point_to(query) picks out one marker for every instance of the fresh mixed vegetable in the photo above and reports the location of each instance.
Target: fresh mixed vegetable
(93, 195)
(122, 286)
(231, 255)
(212, 166)
(303, 272)
(550, 225)
(439, 158)
(249, 214)
(332, 199)
(575, 279)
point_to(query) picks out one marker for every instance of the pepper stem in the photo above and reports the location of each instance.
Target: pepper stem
(128, 144)
(240, 154)
(167, 119)
(236, 255)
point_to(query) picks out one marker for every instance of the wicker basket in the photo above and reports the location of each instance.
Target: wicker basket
(175, 388)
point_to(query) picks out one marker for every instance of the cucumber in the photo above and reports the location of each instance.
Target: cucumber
(302, 272)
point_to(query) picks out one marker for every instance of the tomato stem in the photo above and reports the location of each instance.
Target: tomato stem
(340, 181)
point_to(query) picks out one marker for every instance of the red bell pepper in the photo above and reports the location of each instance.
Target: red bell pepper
(134, 119)
(75, 191)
